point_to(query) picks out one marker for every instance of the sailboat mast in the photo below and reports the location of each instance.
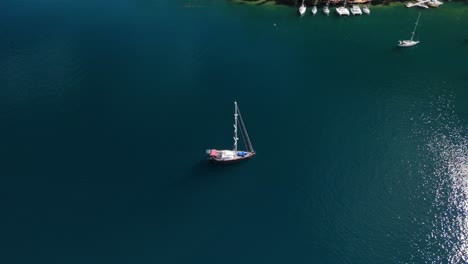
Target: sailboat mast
(415, 26)
(235, 127)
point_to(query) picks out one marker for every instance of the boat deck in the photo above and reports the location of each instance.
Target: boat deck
(228, 155)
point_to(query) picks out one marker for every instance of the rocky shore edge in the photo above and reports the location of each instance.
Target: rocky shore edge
(322, 2)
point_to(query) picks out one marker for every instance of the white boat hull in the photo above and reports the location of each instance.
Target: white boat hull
(302, 10)
(355, 10)
(407, 43)
(342, 11)
(326, 10)
(228, 156)
(434, 3)
(314, 10)
(366, 10)
(418, 4)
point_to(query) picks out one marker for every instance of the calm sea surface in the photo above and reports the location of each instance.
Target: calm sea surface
(107, 107)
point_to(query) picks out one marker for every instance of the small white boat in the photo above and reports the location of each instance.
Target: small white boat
(302, 9)
(228, 156)
(342, 11)
(435, 3)
(326, 10)
(410, 42)
(407, 43)
(314, 10)
(366, 10)
(421, 3)
(355, 10)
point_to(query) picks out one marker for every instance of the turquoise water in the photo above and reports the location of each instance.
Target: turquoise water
(107, 109)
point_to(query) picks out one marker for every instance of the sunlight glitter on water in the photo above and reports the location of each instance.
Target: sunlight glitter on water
(452, 162)
(448, 150)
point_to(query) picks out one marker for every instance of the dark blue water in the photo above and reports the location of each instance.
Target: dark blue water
(107, 108)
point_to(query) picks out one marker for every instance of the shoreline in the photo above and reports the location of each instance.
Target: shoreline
(323, 2)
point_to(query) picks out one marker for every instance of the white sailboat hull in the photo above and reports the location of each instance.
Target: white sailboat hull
(407, 43)
(314, 10)
(418, 3)
(326, 10)
(227, 156)
(434, 3)
(302, 10)
(355, 10)
(366, 10)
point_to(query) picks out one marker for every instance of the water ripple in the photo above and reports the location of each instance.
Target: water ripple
(446, 147)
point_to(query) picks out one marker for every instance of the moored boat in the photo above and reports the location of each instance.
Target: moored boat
(410, 42)
(418, 3)
(302, 9)
(342, 11)
(366, 10)
(314, 10)
(229, 156)
(355, 10)
(326, 10)
(434, 3)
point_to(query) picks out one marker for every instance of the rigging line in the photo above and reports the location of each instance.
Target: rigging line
(243, 139)
(245, 130)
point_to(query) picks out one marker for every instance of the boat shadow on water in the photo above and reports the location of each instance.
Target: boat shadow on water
(204, 168)
(400, 49)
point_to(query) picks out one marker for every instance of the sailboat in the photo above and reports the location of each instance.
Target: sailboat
(326, 10)
(366, 9)
(314, 10)
(342, 10)
(434, 3)
(411, 42)
(228, 156)
(302, 9)
(355, 10)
